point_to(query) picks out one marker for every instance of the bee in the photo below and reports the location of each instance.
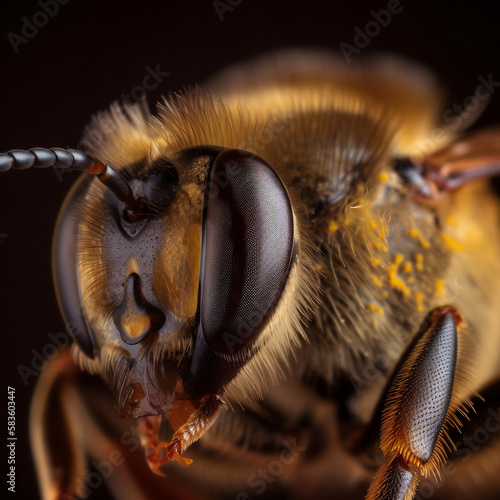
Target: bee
(282, 285)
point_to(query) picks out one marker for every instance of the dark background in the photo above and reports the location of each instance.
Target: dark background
(91, 52)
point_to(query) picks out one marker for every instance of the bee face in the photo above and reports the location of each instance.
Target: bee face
(261, 264)
(185, 284)
(144, 278)
(138, 281)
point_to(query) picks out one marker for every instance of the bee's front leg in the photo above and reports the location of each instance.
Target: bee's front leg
(59, 460)
(420, 405)
(472, 468)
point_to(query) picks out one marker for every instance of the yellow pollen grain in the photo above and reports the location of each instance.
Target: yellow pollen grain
(385, 293)
(452, 244)
(380, 246)
(347, 222)
(419, 298)
(373, 224)
(398, 284)
(377, 281)
(383, 177)
(333, 226)
(414, 233)
(394, 280)
(375, 262)
(375, 308)
(419, 262)
(407, 267)
(440, 287)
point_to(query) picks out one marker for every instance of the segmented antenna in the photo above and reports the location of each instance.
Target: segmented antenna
(21, 159)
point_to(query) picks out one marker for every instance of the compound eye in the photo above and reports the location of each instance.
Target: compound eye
(248, 250)
(65, 268)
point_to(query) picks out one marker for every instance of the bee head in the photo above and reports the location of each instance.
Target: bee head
(184, 284)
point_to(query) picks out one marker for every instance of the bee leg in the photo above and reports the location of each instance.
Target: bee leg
(419, 406)
(472, 468)
(59, 461)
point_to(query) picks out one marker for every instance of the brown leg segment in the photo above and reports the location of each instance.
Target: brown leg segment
(420, 405)
(59, 461)
(472, 469)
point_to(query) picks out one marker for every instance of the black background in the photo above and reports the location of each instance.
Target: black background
(92, 51)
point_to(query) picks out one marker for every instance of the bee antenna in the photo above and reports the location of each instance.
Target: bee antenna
(73, 159)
